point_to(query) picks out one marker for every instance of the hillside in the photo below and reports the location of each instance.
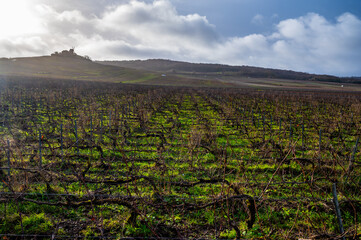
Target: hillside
(68, 67)
(185, 68)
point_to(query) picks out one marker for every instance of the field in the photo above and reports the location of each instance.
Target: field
(165, 73)
(102, 160)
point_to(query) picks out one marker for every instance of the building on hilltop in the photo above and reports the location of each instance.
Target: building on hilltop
(65, 53)
(70, 53)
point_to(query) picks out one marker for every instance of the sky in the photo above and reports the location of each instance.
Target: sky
(315, 36)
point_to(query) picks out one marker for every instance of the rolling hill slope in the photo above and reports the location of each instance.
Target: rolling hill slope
(167, 73)
(74, 67)
(200, 69)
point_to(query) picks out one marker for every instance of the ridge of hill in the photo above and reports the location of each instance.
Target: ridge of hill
(67, 65)
(186, 68)
(72, 67)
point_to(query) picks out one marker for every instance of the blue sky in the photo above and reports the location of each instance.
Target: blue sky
(316, 36)
(234, 17)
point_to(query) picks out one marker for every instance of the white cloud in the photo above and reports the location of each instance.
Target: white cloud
(312, 43)
(258, 19)
(309, 43)
(133, 29)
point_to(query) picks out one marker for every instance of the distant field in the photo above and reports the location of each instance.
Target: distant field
(78, 68)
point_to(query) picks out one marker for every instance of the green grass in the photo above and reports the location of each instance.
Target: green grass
(167, 137)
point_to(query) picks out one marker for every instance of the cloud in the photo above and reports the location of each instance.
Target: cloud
(315, 44)
(310, 43)
(258, 19)
(135, 29)
(129, 29)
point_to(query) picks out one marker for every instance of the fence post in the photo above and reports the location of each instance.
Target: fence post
(264, 126)
(350, 165)
(337, 207)
(61, 143)
(320, 140)
(76, 138)
(110, 118)
(291, 133)
(91, 128)
(253, 122)
(303, 140)
(40, 156)
(302, 136)
(280, 126)
(8, 156)
(20, 108)
(101, 128)
(129, 115)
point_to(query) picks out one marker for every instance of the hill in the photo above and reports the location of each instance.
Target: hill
(68, 67)
(199, 69)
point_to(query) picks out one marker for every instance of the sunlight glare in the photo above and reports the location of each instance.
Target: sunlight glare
(18, 18)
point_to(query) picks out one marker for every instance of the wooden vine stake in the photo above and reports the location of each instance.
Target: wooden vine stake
(337, 207)
(91, 129)
(76, 138)
(303, 140)
(320, 140)
(8, 156)
(352, 159)
(61, 143)
(40, 156)
(291, 134)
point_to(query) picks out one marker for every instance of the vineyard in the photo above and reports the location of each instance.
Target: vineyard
(100, 160)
